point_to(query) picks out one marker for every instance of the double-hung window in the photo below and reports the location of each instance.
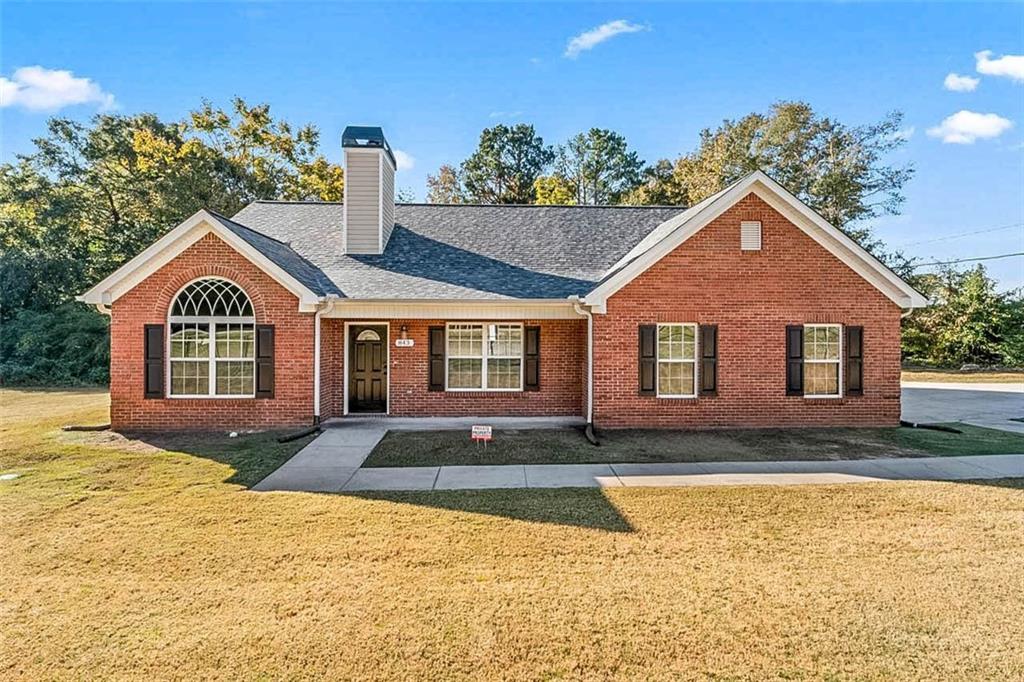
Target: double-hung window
(822, 355)
(677, 360)
(212, 341)
(485, 357)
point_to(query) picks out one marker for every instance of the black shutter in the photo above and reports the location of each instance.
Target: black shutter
(709, 359)
(153, 353)
(648, 358)
(854, 360)
(436, 372)
(264, 361)
(795, 360)
(531, 382)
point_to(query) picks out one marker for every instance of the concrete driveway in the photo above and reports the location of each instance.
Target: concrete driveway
(990, 405)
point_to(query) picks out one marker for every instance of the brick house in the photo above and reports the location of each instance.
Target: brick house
(747, 309)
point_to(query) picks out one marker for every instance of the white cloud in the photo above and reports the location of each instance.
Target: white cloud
(504, 114)
(404, 161)
(40, 89)
(964, 127)
(958, 83)
(588, 40)
(1009, 65)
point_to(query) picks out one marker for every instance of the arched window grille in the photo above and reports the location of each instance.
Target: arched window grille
(212, 341)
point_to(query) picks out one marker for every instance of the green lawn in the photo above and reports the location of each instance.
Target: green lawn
(122, 560)
(565, 446)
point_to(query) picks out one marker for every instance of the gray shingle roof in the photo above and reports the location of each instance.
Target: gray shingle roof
(282, 255)
(441, 251)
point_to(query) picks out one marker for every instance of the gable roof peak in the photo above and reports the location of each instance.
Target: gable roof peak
(677, 229)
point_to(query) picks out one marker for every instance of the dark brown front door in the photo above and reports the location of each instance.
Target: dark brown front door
(368, 369)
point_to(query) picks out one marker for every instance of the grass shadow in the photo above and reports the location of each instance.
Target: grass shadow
(252, 456)
(578, 507)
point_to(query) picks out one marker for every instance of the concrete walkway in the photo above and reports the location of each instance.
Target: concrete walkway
(327, 464)
(344, 479)
(684, 474)
(331, 463)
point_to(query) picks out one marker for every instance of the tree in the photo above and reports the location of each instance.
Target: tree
(405, 195)
(445, 187)
(506, 163)
(838, 170)
(92, 195)
(553, 190)
(266, 157)
(969, 322)
(598, 166)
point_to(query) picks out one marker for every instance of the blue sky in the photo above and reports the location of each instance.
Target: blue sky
(434, 75)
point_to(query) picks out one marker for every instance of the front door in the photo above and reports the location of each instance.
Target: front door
(368, 369)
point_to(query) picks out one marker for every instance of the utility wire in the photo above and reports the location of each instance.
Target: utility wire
(968, 260)
(963, 234)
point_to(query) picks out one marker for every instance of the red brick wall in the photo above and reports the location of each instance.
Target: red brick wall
(563, 352)
(751, 296)
(332, 367)
(148, 303)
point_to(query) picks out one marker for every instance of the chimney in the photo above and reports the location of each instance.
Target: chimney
(369, 190)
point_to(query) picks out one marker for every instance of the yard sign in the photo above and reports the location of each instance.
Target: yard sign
(483, 433)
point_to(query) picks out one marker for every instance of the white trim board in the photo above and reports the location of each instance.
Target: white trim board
(434, 309)
(172, 244)
(669, 235)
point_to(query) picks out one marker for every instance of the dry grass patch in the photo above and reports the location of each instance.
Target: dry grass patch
(126, 564)
(956, 376)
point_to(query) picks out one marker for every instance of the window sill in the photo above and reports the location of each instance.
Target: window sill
(211, 397)
(484, 390)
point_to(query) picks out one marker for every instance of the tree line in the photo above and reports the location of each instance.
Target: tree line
(840, 171)
(89, 196)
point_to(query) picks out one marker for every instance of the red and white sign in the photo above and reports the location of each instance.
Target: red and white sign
(480, 432)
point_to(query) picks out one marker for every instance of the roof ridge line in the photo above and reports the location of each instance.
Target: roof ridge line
(427, 203)
(293, 201)
(469, 205)
(246, 227)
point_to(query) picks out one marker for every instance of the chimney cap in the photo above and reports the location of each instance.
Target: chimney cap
(367, 137)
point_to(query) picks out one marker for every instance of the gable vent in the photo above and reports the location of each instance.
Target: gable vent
(750, 235)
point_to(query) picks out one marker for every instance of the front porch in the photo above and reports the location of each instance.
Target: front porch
(393, 367)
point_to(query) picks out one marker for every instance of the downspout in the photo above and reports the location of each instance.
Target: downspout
(580, 310)
(104, 309)
(327, 307)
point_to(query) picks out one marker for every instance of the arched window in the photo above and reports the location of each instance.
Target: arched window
(368, 335)
(212, 341)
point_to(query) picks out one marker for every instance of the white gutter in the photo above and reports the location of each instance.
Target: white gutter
(103, 308)
(577, 305)
(326, 307)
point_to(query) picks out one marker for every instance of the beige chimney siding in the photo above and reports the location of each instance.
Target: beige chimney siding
(387, 175)
(363, 201)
